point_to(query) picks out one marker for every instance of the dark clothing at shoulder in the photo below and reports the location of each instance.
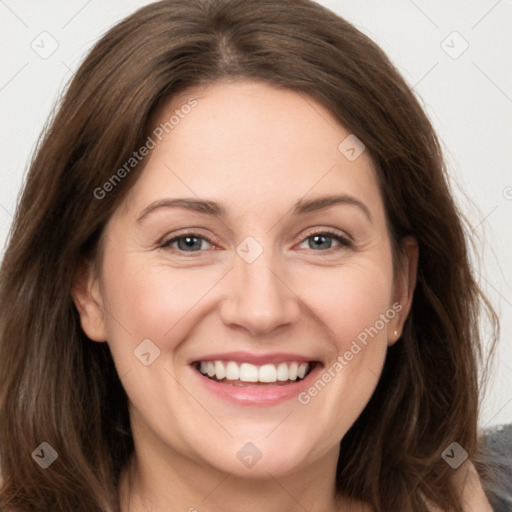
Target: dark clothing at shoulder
(498, 457)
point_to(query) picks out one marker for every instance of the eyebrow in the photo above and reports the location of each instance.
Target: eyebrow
(215, 209)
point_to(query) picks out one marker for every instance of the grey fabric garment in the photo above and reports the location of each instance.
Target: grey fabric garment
(498, 456)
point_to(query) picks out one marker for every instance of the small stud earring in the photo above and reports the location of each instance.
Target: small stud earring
(396, 333)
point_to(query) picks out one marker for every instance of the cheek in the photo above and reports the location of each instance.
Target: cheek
(353, 302)
(349, 299)
(153, 302)
(150, 301)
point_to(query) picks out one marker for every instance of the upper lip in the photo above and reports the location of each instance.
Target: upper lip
(256, 359)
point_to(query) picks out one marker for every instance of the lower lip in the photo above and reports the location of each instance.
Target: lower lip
(257, 395)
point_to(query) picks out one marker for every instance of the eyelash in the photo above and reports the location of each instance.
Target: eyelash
(345, 242)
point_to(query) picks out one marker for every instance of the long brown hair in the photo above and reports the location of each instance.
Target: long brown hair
(58, 387)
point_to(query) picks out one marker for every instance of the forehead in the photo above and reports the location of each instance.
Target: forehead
(252, 145)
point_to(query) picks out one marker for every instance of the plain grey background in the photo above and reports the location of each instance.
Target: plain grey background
(455, 54)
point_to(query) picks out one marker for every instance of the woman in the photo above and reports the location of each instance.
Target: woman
(237, 280)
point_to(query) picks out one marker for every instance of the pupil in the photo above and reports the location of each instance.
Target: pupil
(318, 238)
(189, 242)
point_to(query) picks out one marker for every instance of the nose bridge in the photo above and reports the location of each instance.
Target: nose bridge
(257, 298)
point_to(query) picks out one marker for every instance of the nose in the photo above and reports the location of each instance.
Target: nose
(258, 297)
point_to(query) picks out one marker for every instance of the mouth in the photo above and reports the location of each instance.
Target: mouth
(248, 379)
(250, 375)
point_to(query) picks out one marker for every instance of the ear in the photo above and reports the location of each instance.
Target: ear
(403, 288)
(87, 298)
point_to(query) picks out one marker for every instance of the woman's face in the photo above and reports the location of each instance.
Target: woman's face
(254, 248)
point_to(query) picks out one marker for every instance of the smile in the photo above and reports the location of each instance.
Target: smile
(245, 374)
(249, 379)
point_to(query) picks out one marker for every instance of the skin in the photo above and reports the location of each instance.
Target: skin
(257, 150)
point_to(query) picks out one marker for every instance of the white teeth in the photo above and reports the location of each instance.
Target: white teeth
(267, 373)
(232, 371)
(210, 369)
(282, 372)
(292, 371)
(247, 372)
(220, 370)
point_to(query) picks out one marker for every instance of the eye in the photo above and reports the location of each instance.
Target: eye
(188, 242)
(322, 240)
